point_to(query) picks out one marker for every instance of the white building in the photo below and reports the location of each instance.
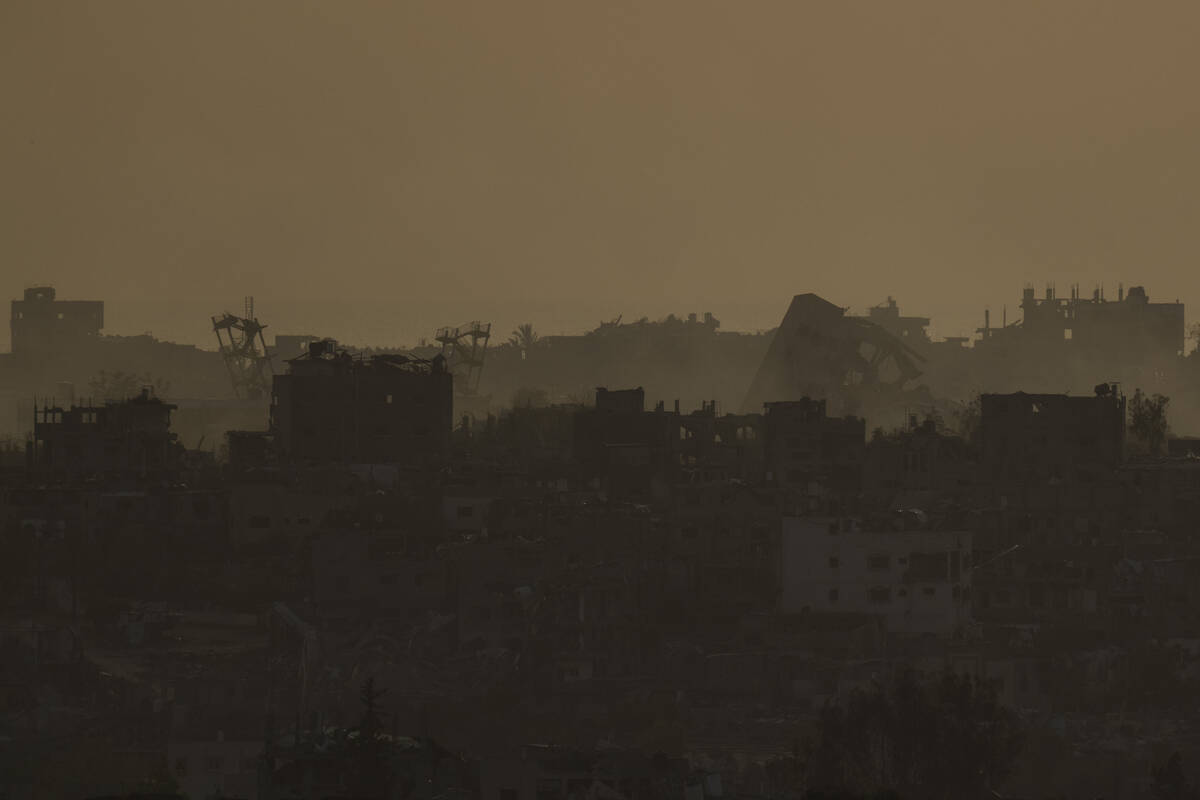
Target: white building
(917, 580)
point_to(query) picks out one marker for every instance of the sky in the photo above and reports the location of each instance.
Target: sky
(374, 170)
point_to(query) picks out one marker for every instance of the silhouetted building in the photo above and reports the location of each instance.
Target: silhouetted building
(1037, 438)
(1132, 328)
(818, 351)
(335, 407)
(629, 449)
(805, 446)
(919, 458)
(911, 330)
(43, 325)
(127, 438)
(627, 401)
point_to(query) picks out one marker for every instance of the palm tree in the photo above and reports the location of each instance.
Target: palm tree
(524, 336)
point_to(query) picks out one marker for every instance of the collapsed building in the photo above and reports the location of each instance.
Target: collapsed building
(819, 351)
(126, 438)
(331, 406)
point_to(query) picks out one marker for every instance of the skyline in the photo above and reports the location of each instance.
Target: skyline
(380, 171)
(203, 336)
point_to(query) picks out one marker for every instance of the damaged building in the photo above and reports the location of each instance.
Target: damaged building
(332, 406)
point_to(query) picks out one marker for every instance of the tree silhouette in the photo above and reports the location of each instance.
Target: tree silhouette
(1148, 421)
(371, 773)
(945, 739)
(1170, 782)
(524, 337)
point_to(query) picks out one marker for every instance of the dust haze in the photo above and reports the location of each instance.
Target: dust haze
(609, 401)
(378, 169)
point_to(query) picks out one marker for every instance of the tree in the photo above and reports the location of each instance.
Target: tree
(968, 418)
(372, 776)
(947, 739)
(1148, 421)
(1170, 782)
(524, 336)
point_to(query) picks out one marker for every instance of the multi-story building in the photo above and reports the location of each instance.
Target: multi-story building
(130, 437)
(633, 452)
(804, 445)
(332, 406)
(917, 579)
(1039, 438)
(44, 325)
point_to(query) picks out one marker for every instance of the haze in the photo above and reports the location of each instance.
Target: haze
(371, 171)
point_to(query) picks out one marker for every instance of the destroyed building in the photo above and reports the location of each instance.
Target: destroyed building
(615, 576)
(819, 351)
(1130, 329)
(1041, 437)
(117, 438)
(632, 450)
(332, 406)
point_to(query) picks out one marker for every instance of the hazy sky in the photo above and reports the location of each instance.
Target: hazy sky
(373, 170)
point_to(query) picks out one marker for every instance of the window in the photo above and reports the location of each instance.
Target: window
(510, 794)
(881, 595)
(878, 562)
(833, 562)
(387, 399)
(214, 763)
(181, 767)
(466, 512)
(833, 595)
(930, 591)
(260, 521)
